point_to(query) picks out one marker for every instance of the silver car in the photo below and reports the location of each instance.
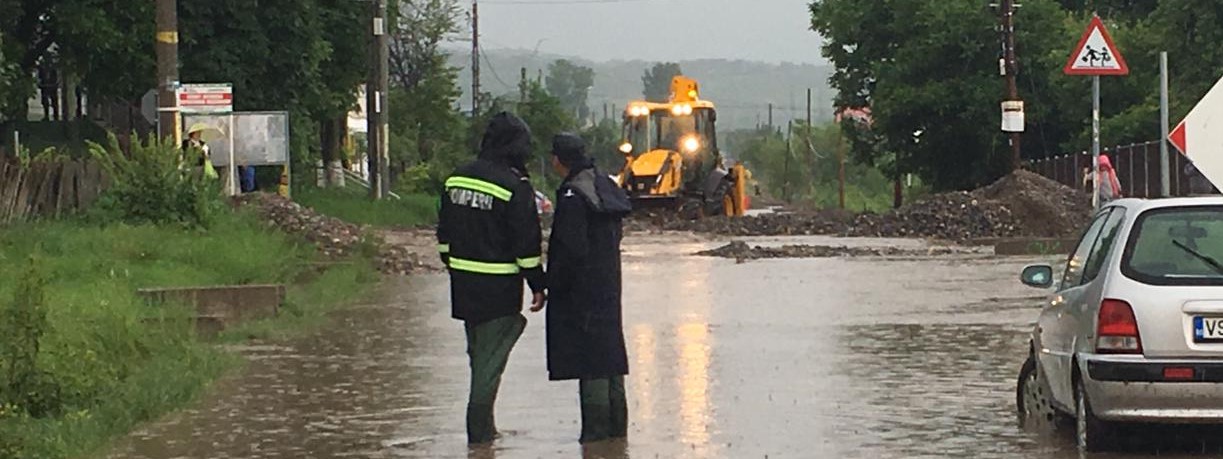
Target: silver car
(1134, 331)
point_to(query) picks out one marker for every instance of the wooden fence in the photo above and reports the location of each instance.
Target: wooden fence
(44, 189)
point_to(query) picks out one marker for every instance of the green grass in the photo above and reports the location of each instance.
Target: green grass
(352, 204)
(111, 368)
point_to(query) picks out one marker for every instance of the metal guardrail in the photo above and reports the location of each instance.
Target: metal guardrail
(1137, 167)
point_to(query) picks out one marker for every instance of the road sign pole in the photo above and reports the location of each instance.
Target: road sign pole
(1165, 174)
(1095, 141)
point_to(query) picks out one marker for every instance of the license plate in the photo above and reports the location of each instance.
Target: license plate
(1207, 329)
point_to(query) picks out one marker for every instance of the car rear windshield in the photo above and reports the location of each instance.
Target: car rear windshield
(1176, 246)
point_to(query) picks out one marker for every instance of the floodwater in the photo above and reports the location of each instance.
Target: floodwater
(814, 358)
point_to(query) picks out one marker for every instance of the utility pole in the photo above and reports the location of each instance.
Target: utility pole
(1165, 175)
(376, 103)
(522, 89)
(785, 184)
(1010, 71)
(475, 59)
(167, 70)
(808, 107)
(770, 116)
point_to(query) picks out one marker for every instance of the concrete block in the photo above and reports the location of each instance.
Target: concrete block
(222, 306)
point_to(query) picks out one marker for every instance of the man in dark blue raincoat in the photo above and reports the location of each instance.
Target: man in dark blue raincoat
(585, 325)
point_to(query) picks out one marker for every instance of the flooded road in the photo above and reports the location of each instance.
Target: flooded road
(813, 358)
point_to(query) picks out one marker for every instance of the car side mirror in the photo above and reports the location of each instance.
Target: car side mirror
(1037, 276)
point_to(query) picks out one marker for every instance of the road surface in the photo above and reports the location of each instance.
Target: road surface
(837, 358)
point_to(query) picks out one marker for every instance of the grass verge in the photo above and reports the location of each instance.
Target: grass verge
(352, 204)
(101, 365)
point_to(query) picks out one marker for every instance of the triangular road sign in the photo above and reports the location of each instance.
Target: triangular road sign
(1178, 138)
(1200, 136)
(1096, 54)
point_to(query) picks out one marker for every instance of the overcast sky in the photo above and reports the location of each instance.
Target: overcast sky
(654, 30)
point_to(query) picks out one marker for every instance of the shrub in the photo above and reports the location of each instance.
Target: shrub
(24, 388)
(153, 184)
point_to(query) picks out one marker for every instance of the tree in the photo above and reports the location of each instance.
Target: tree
(427, 132)
(9, 80)
(930, 93)
(571, 83)
(657, 81)
(603, 141)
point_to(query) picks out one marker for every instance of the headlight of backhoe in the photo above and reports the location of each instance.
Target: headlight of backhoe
(691, 144)
(626, 148)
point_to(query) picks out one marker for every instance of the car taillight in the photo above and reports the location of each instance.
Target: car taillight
(1117, 329)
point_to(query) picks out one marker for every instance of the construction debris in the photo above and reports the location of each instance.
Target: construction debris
(1022, 204)
(740, 251)
(335, 239)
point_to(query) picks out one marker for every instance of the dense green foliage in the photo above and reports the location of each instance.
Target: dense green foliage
(571, 83)
(657, 81)
(934, 95)
(807, 172)
(155, 183)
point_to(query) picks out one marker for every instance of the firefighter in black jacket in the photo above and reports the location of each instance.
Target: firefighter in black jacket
(489, 236)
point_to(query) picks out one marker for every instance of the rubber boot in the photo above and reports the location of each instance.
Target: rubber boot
(596, 411)
(480, 428)
(618, 404)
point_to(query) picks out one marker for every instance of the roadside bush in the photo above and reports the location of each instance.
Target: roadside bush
(24, 388)
(153, 184)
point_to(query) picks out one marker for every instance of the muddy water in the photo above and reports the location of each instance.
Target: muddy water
(839, 358)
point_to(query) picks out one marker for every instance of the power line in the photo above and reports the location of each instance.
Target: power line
(492, 69)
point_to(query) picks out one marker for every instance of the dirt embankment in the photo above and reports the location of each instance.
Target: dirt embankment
(741, 251)
(334, 238)
(1021, 204)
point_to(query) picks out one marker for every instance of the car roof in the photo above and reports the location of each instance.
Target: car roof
(1143, 205)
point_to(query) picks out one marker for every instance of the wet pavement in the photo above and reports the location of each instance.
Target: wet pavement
(810, 358)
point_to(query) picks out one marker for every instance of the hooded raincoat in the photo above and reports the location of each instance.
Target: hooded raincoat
(585, 326)
(1110, 186)
(488, 227)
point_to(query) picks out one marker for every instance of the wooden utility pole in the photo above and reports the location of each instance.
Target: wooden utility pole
(785, 184)
(841, 166)
(770, 116)
(475, 59)
(166, 48)
(376, 103)
(1010, 71)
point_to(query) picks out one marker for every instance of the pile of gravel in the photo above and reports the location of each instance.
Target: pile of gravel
(334, 238)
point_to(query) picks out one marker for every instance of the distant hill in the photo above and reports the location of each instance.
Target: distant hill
(741, 89)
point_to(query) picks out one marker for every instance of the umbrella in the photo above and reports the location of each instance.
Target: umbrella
(207, 133)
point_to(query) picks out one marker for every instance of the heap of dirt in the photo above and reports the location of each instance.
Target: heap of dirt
(1041, 207)
(741, 251)
(959, 216)
(1021, 204)
(335, 239)
(777, 224)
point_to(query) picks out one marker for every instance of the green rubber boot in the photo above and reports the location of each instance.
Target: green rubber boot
(596, 410)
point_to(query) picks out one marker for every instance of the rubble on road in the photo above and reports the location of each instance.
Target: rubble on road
(740, 250)
(1021, 204)
(334, 238)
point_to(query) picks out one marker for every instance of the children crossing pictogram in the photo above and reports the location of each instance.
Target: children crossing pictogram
(1096, 54)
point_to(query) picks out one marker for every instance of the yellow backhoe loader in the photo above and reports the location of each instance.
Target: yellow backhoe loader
(672, 158)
